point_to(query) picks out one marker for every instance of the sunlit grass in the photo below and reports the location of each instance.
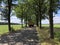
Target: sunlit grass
(4, 28)
(16, 27)
(44, 36)
(55, 25)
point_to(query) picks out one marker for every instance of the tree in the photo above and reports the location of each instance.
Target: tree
(40, 13)
(9, 12)
(51, 10)
(51, 19)
(9, 5)
(5, 14)
(27, 11)
(30, 8)
(0, 2)
(38, 8)
(53, 7)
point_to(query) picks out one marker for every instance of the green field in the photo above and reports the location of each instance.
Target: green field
(4, 28)
(55, 25)
(44, 35)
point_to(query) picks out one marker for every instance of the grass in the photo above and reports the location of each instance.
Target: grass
(44, 35)
(16, 27)
(4, 28)
(55, 25)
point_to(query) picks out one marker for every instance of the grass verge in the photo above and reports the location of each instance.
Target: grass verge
(4, 28)
(44, 37)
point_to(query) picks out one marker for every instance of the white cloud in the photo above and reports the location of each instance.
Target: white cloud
(56, 19)
(14, 19)
(46, 21)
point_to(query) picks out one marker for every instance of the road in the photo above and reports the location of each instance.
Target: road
(26, 36)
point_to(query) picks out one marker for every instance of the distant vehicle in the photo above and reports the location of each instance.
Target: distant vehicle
(31, 24)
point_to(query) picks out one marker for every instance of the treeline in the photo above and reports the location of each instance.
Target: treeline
(32, 10)
(3, 23)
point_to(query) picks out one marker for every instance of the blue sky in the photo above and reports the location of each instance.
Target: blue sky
(56, 19)
(14, 19)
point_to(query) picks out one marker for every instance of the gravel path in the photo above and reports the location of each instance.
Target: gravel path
(27, 36)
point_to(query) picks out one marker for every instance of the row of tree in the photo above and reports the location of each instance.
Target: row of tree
(35, 11)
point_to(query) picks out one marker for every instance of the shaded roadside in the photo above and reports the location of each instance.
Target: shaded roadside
(44, 36)
(27, 36)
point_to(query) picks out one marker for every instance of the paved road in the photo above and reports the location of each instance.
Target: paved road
(27, 36)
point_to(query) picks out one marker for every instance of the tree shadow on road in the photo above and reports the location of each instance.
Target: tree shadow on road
(21, 37)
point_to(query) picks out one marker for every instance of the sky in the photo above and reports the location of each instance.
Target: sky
(14, 19)
(56, 19)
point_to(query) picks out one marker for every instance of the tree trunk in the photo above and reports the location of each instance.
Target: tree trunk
(22, 18)
(40, 23)
(40, 13)
(40, 17)
(51, 20)
(9, 11)
(26, 23)
(37, 22)
(26, 20)
(22, 23)
(36, 13)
